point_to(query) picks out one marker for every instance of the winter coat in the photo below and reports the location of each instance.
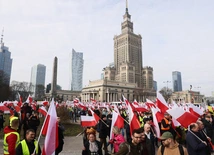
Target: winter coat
(118, 139)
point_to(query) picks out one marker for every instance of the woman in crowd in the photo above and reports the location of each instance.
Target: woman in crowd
(117, 138)
(92, 146)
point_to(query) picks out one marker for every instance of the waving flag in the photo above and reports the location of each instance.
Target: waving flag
(117, 120)
(183, 117)
(50, 130)
(133, 121)
(161, 103)
(87, 121)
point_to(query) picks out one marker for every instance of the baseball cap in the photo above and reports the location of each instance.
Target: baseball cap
(166, 135)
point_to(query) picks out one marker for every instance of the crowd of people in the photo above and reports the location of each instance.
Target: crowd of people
(26, 123)
(195, 140)
(101, 140)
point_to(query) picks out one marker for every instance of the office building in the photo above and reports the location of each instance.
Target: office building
(5, 62)
(177, 82)
(38, 79)
(76, 70)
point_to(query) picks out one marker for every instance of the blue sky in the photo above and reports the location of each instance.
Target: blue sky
(177, 35)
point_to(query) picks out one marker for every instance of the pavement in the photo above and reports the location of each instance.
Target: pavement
(72, 146)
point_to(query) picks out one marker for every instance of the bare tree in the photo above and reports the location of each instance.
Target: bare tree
(23, 88)
(166, 92)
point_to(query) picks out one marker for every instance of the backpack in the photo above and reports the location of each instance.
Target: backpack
(180, 147)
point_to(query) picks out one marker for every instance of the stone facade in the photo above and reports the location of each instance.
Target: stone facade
(187, 96)
(110, 91)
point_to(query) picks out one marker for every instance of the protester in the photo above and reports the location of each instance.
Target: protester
(194, 141)
(61, 129)
(133, 148)
(170, 146)
(11, 136)
(150, 139)
(205, 137)
(166, 123)
(28, 146)
(1, 120)
(103, 133)
(207, 121)
(33, 121)
(92, 146)
(117, 139)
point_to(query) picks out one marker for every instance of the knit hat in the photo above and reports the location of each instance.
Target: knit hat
(166, 135)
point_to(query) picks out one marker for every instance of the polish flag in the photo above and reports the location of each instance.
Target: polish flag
(81, 105)
(150, 104)
(20, 101)
(183, 117)
(118, 121)
(133, 121)
(97, 118)
(42, 110)
(76, 100)
(93, 100)
(155, 121)
(161, 103)
(50, 130)
(87, 121)
(195, 110)
(45, 103)
(136, 103)
(29, 99)
(116, 109)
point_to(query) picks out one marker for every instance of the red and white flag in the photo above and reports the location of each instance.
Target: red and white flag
(155, 121)
(195, 110)
(42, 110)
(50, 130)
(45, 103)
(20, 101)
(183, 117)
(87, 121)
(97, 118)
(29, 99)
(133, 121)
(117, 120)
(161, 103)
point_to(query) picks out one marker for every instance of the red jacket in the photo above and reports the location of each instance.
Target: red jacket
(11, 140)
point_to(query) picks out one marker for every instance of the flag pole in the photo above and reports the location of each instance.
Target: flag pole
(41, 132)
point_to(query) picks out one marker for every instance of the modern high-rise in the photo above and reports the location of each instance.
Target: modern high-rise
(177, 82)
(37, 78)
(76, 70)
(5, 62)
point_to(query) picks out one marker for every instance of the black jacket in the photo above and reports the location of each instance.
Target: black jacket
(31, 148)
(88, 152)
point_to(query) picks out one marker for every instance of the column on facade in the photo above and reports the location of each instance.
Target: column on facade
(107, 97)
(93, 95)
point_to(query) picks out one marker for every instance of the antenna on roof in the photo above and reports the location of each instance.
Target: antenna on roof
(2, 35)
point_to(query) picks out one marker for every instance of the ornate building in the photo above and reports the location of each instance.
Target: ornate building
(126, 77)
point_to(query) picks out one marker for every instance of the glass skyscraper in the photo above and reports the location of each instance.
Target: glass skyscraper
(177, 82)
(5, 62)
(37, 77)
(76, 70)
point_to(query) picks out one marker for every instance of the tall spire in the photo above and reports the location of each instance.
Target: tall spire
(2, 35)
(126, 5)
